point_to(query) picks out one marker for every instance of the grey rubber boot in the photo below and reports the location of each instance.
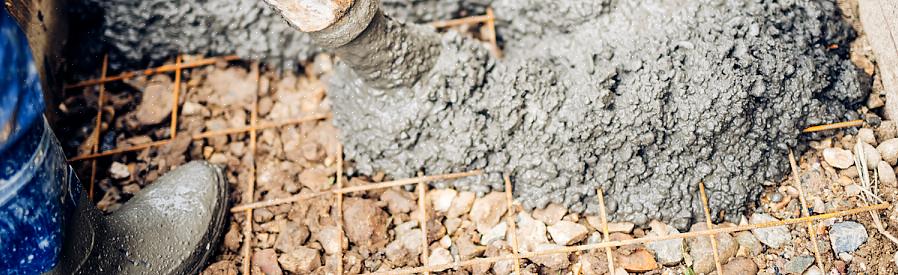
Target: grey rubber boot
(172, 226)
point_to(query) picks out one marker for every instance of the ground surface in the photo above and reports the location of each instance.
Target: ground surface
(381, 228)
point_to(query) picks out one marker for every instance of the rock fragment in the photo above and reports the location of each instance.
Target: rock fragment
(702, 252)
(530, 232)
(486, 211)
(439, 256)
(553, 261)
(798, 265)
(886, 173)
(266, 260)
(442, 199)
(871, 154)
(774, 237)
(748, 240)
(365, 223)
(302, 260)
(889, 151)
(867, 136)
(739, 265)
(398, 201)
(330, 239)
(494, 234)
(156, 101)
(461, 204)
(638, 261)
(847, 236)
(669, 252)
(838, 158)
(119, 170)
(292, 235)
(567, 233)
(551, 214)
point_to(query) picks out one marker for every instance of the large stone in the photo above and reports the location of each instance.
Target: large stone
(365, 223)
(554, 261)
(567, 233)
(461, 204)
(750, 242)
(847, 236)
(838, 157)
(739, 265)
(774, 237)
(798, 265)
(439, 256)
(530, 232)
(399, 201)
(551, 214)
(886, 174)
(302, 260)
(668, 252)
(292, 235)
(889, 151)
(638, 261)
(441, 199)
(267, 261)
(487, 210)
(702, 252)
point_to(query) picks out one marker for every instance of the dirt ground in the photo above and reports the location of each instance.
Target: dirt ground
(381, 228)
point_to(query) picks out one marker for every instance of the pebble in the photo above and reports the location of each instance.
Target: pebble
(702, 252)
(292, 235)
(119, 170)
(739, 265)
(798, 265)
(439, 256)
(774, 237)
(748, 240)
(638, 261)
(852, 190)
(667, 252)
(847, 236)
(487, 210)
(191, 108)
(461, 204)
(567, 233)
(554, 261)
(330, 239)
(872, 155)
(813, 270)
(886, 173)
(889, 151)
(317, 178)
(266, 260)
(302, 260)
(838, 158)
(442, 199)
(494, 234)
(399, 201)
(156, 102)
(366, 224)
(551, 214)
(530, 232)
(866, 135)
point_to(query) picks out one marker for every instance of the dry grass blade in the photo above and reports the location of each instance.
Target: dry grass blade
(869, 194)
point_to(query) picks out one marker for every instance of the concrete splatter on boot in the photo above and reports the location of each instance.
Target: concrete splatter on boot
(172, 226)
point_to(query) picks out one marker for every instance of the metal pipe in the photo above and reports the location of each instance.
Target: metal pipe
(384, 52)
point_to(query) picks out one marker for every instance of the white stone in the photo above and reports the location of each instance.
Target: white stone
(774, 237)
(442, 199)
(889, 151)
(567, 233)
(838, 158)
(119, 170)
(494, 234)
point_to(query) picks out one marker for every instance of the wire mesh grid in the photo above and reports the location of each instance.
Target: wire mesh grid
(248, 205)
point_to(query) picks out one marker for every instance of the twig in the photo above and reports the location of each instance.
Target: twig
(460, 21)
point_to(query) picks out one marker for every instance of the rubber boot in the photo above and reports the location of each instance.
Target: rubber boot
(172, 226)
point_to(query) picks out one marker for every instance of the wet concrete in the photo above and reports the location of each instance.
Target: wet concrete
(155, 30)
(644, 99)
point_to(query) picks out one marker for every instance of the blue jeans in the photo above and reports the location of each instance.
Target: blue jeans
(38, 193)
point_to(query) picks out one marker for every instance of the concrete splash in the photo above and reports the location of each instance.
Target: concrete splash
(644, 99)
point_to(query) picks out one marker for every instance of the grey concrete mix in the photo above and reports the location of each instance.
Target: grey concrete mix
(644, 99)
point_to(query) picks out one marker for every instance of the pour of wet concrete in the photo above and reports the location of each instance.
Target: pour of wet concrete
(644, 99)
(155, 30)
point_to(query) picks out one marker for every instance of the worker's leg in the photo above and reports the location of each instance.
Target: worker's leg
(47, 224)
